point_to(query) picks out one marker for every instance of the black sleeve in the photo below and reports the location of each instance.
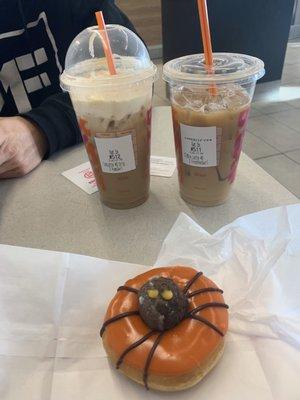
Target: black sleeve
(56, 118)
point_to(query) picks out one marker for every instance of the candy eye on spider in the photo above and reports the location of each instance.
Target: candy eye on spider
(152, 293)
(165, 294)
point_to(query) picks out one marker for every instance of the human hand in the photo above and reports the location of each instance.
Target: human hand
(22, 147)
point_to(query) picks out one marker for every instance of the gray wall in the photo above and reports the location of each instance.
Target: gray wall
(295, 28)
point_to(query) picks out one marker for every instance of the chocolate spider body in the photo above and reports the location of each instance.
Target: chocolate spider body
(162, 305)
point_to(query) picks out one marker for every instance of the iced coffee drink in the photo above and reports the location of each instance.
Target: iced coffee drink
(210, 115)
(113, 111)
(208, 143)
(117, 133)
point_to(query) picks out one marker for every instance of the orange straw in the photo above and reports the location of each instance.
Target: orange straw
(206, 39)
(105, 42)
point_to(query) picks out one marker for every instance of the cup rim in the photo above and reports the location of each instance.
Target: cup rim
(68, 80)
(255, 71)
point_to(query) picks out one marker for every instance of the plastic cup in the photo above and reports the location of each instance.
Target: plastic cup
(210, 114)
(113, 111)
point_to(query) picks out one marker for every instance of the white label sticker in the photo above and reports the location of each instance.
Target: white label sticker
(116, 154)
(199, 145)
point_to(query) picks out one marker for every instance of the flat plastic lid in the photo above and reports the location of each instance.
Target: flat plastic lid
(228, 68)
(86, 65)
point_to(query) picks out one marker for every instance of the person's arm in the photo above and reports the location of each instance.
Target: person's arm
(22, 147)
(26, 139)
(56, 119)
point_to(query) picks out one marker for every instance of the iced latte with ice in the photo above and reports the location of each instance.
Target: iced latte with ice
(210, 114)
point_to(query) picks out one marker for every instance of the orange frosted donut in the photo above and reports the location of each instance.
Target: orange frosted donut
(165, 328)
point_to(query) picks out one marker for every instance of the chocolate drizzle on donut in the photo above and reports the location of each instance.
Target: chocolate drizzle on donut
(208, 323)
(207, 305)
(149, 359)
(191, 314)
(116, 318)
(133, 346)
(204, 290)
(191, 281)
(128, 289)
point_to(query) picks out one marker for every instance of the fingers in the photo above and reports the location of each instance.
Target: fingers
(8, 146)
(14, 173)
(12, 169)
(6, 167)
(22, 147)
(2, 133)
(6, 153)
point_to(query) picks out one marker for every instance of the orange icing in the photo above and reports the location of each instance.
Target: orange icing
(182, 348)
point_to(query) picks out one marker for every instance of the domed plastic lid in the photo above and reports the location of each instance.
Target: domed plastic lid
(228, 68)
(86, 65)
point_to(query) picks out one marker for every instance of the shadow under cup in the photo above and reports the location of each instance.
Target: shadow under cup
(210, 114)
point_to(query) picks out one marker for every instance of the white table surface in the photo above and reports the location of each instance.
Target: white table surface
(45, 210)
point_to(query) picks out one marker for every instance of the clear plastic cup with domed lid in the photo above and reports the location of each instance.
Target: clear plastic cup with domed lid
(113, 111)
(210, 110)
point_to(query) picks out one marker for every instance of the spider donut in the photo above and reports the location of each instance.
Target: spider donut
(165, 328)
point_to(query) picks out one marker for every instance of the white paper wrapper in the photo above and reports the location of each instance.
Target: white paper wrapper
(52, 305)
(256, 261)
